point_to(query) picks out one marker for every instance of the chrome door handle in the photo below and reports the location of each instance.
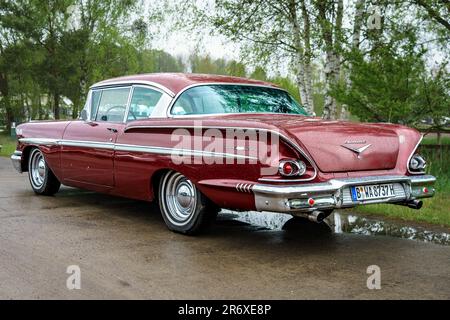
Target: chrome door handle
(112, 130)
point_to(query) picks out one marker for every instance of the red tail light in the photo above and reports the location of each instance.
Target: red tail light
(290, 168)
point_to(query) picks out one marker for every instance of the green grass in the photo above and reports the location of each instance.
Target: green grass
(435, 210)
(8, 145)
(433, 140)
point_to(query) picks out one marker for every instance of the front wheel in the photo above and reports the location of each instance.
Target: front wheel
(184, 208)
(42, 179)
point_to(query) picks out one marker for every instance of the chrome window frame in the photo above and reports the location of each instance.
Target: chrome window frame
(107, 83)
(159, 105)
(130, 87)
(158, 112)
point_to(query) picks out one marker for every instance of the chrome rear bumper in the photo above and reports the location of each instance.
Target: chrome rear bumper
(16, 159)
(336, 193)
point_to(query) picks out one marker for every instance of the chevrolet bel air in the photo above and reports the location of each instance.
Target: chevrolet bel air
(197, 143)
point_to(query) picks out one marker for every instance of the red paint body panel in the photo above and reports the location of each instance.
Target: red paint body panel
(130, 173)
(89, 165)
(176, 82)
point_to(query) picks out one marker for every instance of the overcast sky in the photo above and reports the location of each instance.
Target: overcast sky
(183, 43)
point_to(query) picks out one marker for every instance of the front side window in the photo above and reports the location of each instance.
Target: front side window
(210, 99)
(113, 104)
(143, 102)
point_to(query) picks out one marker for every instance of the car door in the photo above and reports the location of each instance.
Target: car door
(87, 151)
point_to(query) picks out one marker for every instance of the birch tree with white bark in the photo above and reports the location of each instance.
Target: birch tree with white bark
(269, 31)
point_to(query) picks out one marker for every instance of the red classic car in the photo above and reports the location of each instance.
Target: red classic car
(198, 143)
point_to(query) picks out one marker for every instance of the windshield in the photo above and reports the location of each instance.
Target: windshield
(210, 99)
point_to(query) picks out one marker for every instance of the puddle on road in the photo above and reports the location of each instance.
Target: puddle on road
(339, 222)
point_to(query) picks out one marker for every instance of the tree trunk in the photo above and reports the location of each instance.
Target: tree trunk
(331, 31)
(329, 108)
(56, 99)
(356, 39)
(39, 103)
(302, 62)
(4, 91)
(307, 74)
(301, 82)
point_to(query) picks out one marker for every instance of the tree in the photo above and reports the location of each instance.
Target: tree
(259, 74)
(158, 61)
(436, 10)
(103, 42)
(269, 30)
(387, 75)
(329, 17)
(73, 42)
(237, 69)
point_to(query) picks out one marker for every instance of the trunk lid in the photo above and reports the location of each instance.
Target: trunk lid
(345, 146)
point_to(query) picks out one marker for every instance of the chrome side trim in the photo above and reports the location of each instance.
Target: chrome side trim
(412, 154)
(244, 187)
(282, 136)
(16, 159)
(278, 198)
(40, 141)
(178, 152)
(425, 179)
(134, 148)
(104, 84)
(86, 144)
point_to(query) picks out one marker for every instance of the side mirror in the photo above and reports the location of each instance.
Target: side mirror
(84, 115)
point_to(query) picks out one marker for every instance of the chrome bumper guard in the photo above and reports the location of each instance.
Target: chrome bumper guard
(16, 159)
(335, 193)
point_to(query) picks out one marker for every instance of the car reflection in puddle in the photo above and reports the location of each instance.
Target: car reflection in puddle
(338, 222)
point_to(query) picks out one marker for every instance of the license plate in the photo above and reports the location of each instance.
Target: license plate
(377, 191)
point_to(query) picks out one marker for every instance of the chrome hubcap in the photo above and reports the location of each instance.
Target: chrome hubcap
(180, 198)
(185, 195)
(37, 169)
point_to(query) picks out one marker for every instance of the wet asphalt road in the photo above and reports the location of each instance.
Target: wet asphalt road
(125, 251)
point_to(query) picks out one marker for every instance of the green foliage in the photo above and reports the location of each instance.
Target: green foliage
(236, 69)
(158, 61)
(206, 64)
(64, 46)
(259, 74)
(436, 210)
(392, 85)
(288, 85)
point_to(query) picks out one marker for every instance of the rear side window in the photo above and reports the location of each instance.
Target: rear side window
(112, 105)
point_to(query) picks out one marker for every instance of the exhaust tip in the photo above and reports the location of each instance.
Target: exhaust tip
(416, 204)
(316, 216)
(413, 204)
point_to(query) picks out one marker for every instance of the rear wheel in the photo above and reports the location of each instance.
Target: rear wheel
(42, 179)
(183, 207)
